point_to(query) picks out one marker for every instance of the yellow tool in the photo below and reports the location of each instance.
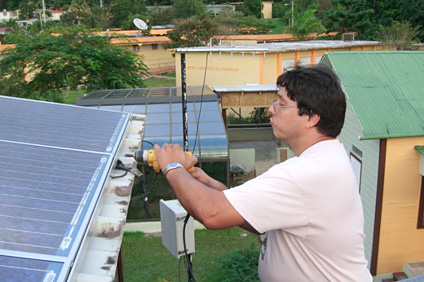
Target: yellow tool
(150, 157)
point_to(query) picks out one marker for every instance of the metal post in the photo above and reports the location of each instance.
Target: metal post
(44, 11)
(292, 14)
(184, 101)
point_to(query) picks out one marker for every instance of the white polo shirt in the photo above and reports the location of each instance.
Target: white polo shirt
(310, 208)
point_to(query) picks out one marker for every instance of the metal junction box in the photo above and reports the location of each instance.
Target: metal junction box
(172, 215)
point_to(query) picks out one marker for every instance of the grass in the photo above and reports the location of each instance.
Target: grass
(145, 259)
(157, 82)
(73, 96)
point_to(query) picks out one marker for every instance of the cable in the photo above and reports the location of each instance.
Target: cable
(201, 104)
(190, 270)
(148, 142)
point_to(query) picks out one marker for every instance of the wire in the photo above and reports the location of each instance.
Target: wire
(148, 142)
(190, 270)
(201, 104)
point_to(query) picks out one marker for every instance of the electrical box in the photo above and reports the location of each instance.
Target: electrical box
(172, 215)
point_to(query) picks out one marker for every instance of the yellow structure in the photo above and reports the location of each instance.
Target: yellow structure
(266, 9)
(152, 49)
(400, 205)
(258, 63)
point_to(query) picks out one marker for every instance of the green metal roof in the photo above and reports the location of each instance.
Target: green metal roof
(386, 89)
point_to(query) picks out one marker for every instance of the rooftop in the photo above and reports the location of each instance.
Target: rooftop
(385, 89)
(281, 46)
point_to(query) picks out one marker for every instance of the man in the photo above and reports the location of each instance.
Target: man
(309, 205)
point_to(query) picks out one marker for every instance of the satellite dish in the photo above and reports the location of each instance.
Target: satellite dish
(140, 24)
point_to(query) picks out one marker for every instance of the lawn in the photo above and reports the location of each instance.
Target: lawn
(157, 82)
(219, 255)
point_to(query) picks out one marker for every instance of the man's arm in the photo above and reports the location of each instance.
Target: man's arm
(207, 204)
(201, 176)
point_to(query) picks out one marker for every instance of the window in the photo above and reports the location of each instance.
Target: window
(154, 46)
(357, 169)
(421, 206)
(136, 48)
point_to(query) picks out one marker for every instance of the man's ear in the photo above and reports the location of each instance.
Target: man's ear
(312, 120)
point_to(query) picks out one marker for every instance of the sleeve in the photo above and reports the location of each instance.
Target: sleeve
(271, 201)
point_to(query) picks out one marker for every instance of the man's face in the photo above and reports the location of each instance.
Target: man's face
(286, 123)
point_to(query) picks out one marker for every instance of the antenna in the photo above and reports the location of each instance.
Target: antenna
(140, 24)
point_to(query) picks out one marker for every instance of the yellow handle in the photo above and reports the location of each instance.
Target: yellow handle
(153, 161)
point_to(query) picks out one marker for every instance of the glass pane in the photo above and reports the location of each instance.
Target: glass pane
(158, 108)
(177, 129)
(208, 106)
(157, 130)
(191, 143)
(214, 146)
(136, 109)
(178, 117)
(178, 108)
(211, 128)
(158, 140)
(157, 118)
(206, 116)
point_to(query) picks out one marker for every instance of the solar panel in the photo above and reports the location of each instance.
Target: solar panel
(55, 160)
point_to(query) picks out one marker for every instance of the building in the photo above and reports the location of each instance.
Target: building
(257, 63)
(384, 136)
(266, 9)
(152, 49)
(6, 16)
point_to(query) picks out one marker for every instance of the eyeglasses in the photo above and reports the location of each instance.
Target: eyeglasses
(274, 107)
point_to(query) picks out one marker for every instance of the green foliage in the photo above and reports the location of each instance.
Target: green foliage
(258, 115)
(194, 31)
(143, 253)
(183, 9)
(240, 265)
(124, 9)
(306, 23)
(27, 9)
(44, 63)
(251, 8)
(402, 36)
(160, 16)
(253, 25)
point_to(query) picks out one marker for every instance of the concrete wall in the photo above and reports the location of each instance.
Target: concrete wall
(246, 68)
(157, 60)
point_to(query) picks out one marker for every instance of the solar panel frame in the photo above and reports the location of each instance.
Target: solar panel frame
(105, 158)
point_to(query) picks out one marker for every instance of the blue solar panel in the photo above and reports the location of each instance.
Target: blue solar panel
(55, 160)
(58, 125)
(14, 269)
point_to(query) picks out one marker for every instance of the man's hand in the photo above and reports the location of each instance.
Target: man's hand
(172, 153)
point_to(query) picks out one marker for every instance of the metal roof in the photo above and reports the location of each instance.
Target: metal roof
(280, 46)
(386, 89)
(246, 88)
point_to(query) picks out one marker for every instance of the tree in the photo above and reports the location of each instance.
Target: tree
(252, 8)
(305, 24)
(183, 9)
(194, 31)
(123, 9)
(402, 36)
(45, 63)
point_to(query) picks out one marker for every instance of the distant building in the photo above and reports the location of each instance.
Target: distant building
(8, 15)
(153, 51)
(257, 63)
(266, 9)
(384, 136)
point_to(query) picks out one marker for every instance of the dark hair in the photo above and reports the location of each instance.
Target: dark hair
(317, 90)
